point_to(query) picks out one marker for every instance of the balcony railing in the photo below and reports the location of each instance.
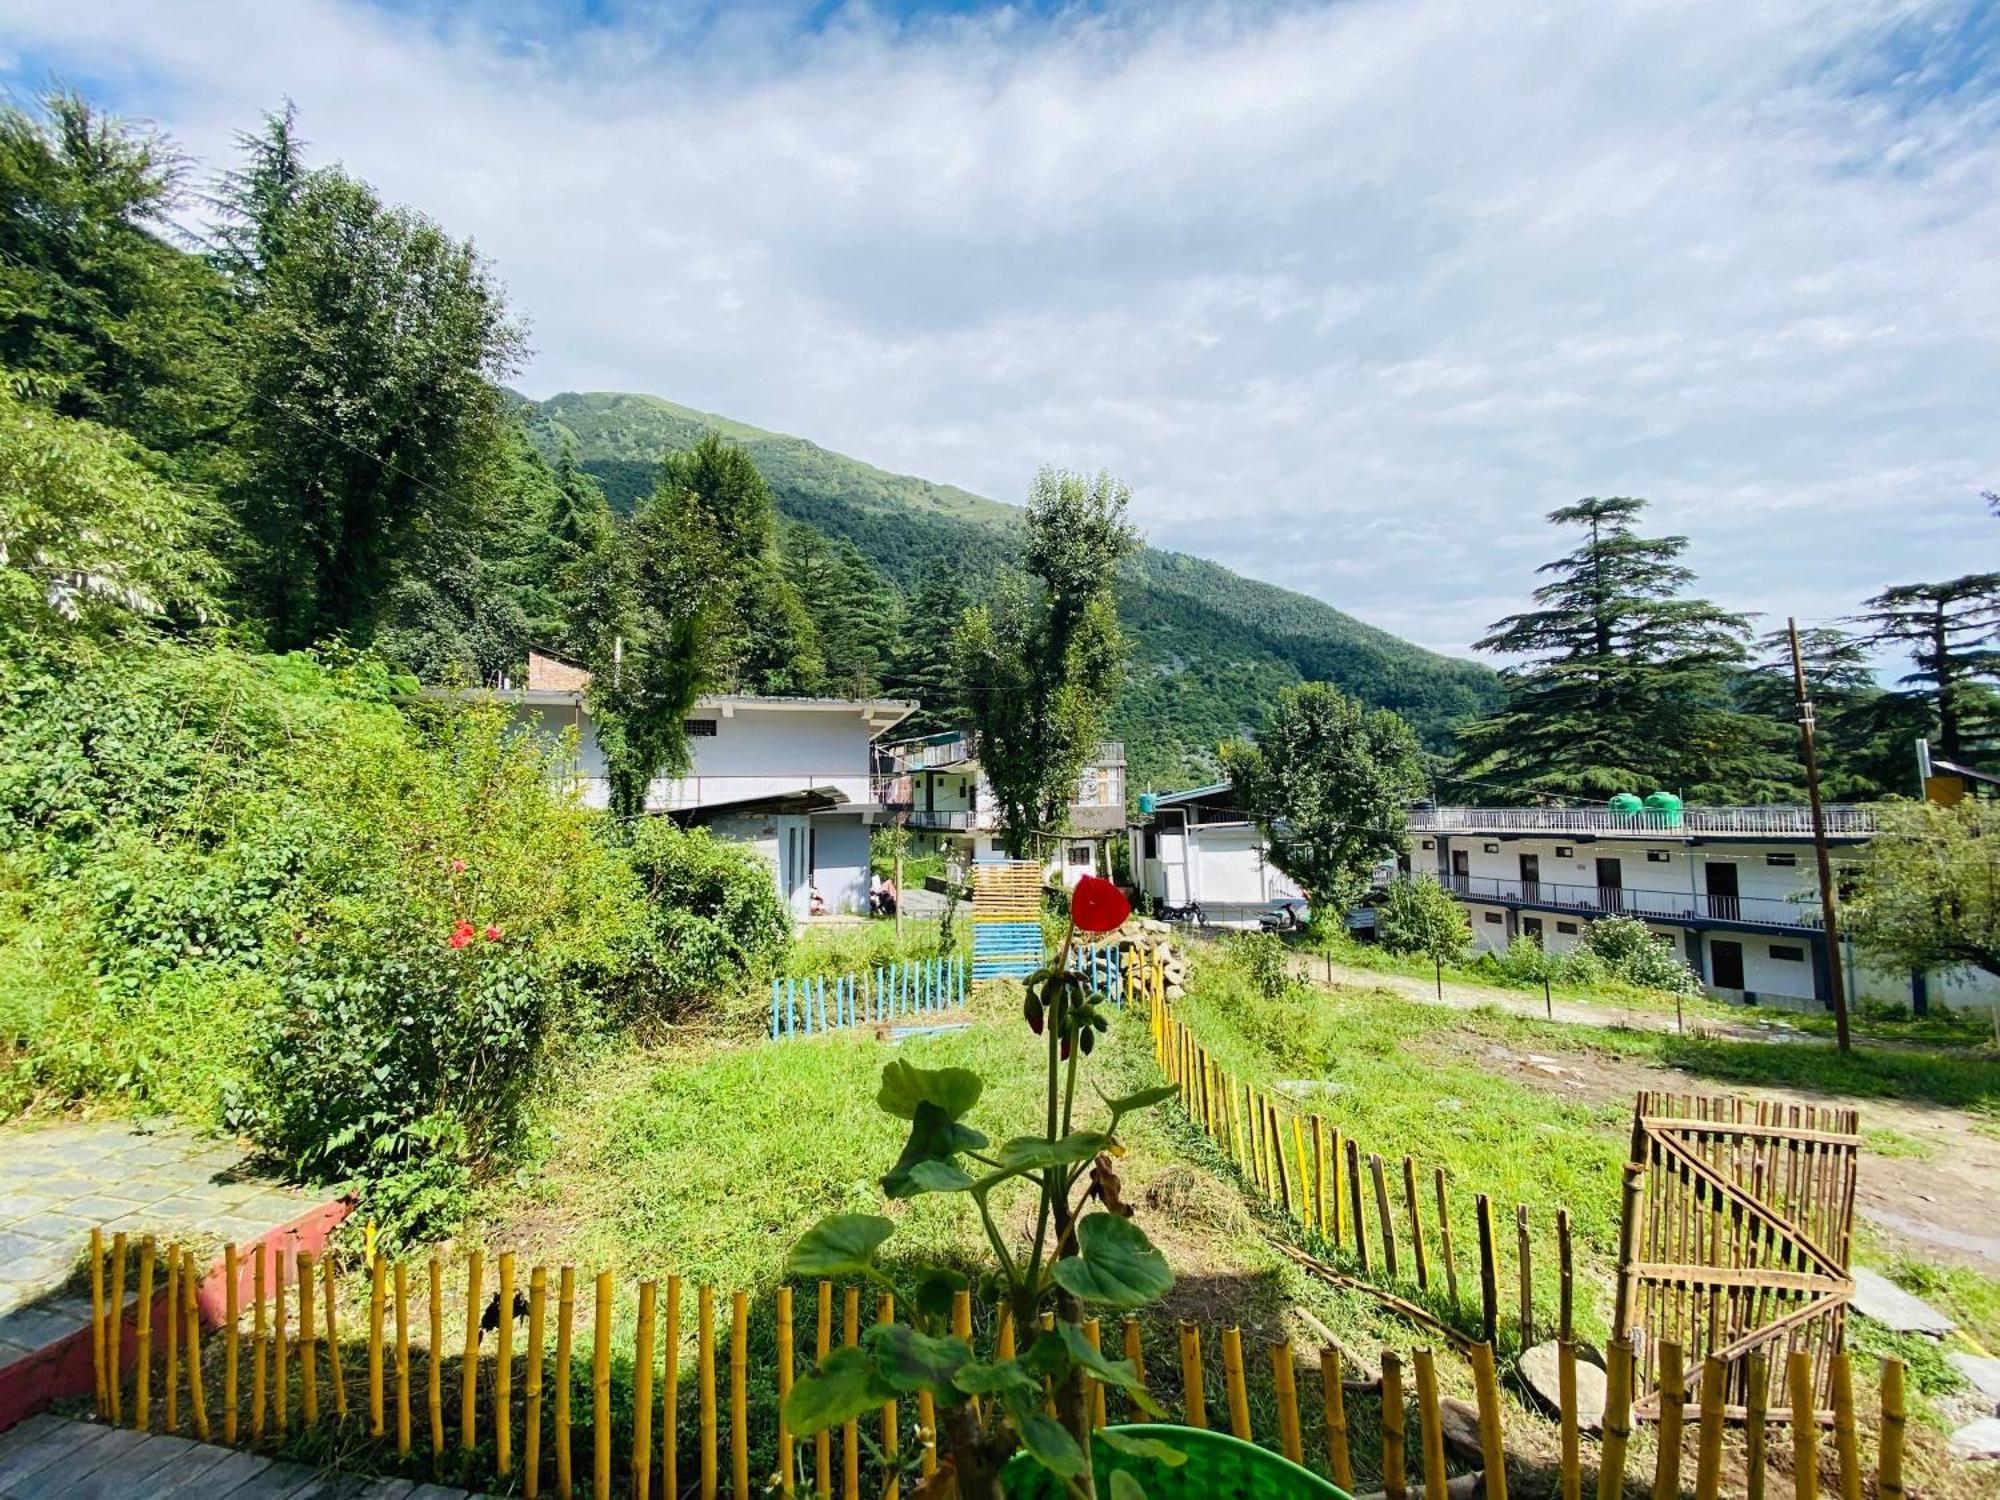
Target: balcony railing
(1613, 900)
(679, 794)
(1842, 821)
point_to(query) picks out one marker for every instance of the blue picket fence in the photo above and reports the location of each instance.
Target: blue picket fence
(1103, 965)
(890, 992)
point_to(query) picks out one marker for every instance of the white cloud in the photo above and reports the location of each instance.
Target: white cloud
(1349, 295)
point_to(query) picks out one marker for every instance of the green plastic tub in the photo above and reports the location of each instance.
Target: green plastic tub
(1218, 1467)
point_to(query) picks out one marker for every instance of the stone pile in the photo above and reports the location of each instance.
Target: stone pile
(1155, 940)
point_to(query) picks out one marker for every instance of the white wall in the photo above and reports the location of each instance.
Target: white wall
(840, 862)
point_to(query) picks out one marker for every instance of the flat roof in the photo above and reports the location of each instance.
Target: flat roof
(891, 711)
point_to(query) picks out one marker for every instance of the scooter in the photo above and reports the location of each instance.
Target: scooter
(1284, 919)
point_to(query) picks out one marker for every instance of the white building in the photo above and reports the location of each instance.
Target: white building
(789, 776)
(936, 784)
(1194, 848)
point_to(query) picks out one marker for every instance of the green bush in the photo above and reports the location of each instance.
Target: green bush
(1420, 917)
(712, 916)
(1264, 959)
(1630, 951)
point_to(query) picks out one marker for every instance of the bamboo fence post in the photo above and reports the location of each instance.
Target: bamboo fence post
(114, 1336)
(600, 1392)
(402, 1360)
(1355, 1223)
(434, 1361)
(1617, 1420)
(531, 1393)
(503, 1370)
(1756, 1394)
(1284, 1387)
(1570, 1449)
(191, 1309)
(1805, 1426)
(1383, 1218)
(1319, 1179)
(1889, 1456)
(232, 1338)
(885, 1312)
(97, 1318)
(823, 1440)
(307, 1268)
(1492, 1445)
(142, 1379)
(565, 1347)
(1232, 1378)
(1135, 1351)
(1444, 1239)
(1418, 1252)
(787, 1349)
(1395, 1485)
(670, 1404)
(1194, 1402)
(1303, 1198)
(850, 1432)
(1708, 1461)
(171, 1409)
(280, 1394)
(642, 1393)
(1333, 1402)
(739, 1395)
(1489, 1271)
(1673, 1415)
(1093, 1389)
(333, 1340)
(1430, 1426)
(704, 1379)
(1846, 1443)
(378, 1307)
(259, 1260)
(1524, 1251)
(468, 1371)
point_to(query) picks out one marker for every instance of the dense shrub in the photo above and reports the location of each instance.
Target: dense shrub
(1633, 953)
(1264, 960)
(712, 914)
(1420, 917)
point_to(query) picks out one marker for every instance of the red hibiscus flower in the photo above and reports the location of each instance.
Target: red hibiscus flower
(1096, 905)
(458, 867)
(492, 934)
(460, 935)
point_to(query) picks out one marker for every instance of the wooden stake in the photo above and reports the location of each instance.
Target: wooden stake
(259, 1259)
(1444, 1239)
(114, 1335)
(333, 1341)
(1430, 1426)
(503, 1371)
(704, 1367)
(191, 1309)
(739, 1396)
(787, 1351)
(1417, 1249)
(232, 1337)
(97, 1331)
(1571, 1456)
(280, 1309)
(1489, 1271)
(670, 1416)
(531, 1394)
(1284, 1387)
(850, 1433)
(434, 1361)
(142, 1380)
(1889, 1458)
(1673, 1414)
(1232, 1379)
(885, 1312)
(308, 1336)
(1354, 1219)
(1757, 1392)
(1135, 1351)
(565, 1343)
(1805, 1426)
(600, 1392)
(1093, 1389)
(378, 1311)
(1194, 1401)
(172, 1409)
(1523, 1251)
(1708, 1463)
(1617, 1420)
(1395, 1484)
(1333, 1404)
(468, 1370)
(402, 1360)
(1319, 1179)
(823, 1440)
(1383, 1218)
(642, 1393)
(1846, 1443)
(1492, 1444)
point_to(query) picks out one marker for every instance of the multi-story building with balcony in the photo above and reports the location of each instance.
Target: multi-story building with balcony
(936, 785)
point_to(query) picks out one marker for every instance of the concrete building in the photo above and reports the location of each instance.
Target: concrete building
(791, 777)
(937, 785)
(1194, 848)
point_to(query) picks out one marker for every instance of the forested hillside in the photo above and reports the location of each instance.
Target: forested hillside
(1210, 648)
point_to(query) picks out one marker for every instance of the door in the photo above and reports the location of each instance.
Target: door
(1610, 884)
(1725, 964)
(1531, 877)
(1722, 902)
(1461, 871)
(1531, 929)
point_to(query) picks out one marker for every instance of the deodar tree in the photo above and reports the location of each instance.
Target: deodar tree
(1327, 782)
(1952, 632)
(1040, 666)
(1078, 1256)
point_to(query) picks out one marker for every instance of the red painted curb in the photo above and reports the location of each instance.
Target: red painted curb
(62, 1369)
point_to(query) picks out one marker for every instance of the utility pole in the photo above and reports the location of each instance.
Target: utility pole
(1827, 902)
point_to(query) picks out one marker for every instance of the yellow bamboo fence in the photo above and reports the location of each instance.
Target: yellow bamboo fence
(619, 1418)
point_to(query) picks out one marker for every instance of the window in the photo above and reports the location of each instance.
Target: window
(1564, 851)
(1079, 854)
(1490, 848)
(1781, 861)
(1531, 929)
(699, 729)
(1430, 843)
(1657, 856)
(1788, 953)
(1493, 917)
(1567, 929)
(1151, 843)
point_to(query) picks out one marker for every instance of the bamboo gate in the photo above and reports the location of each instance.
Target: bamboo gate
(1737, 1221)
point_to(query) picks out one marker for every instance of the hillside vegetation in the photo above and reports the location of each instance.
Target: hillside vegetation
(1211, 648)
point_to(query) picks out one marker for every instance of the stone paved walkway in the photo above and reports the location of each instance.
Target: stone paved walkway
(49, 1457)
(57, 1181)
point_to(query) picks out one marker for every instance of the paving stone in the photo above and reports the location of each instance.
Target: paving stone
(1880, 1299)
(1980, 1439)
(1981, 1372)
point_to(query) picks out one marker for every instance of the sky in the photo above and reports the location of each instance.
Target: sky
(1350, 295)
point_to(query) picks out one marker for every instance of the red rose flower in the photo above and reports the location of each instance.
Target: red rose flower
(1096, 905)
(460, 935)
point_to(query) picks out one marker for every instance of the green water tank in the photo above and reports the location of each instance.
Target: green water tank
(1666, 807)
(1626, 806)
(1146, 804)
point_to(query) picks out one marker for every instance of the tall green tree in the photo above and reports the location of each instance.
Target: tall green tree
(1928, 892)
(99, 312)
(1620, 681)
(1327, 783)
(587, 577)
(1952, 632)
(1041, 664)
(1865, 734)
(855, 611)
(371, 344)
(923, 666)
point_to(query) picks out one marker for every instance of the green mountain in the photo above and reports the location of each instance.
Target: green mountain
(1211, 648)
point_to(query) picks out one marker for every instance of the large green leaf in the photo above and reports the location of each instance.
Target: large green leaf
(1035, 1151)
(1114, 1264)
(905, 1086)
(934, 1289)
(1127, 1104)
(1119, 1372)
(939, 1177)
(846, 1386)
(1125, 1487)
(842, 1245)
(912, 1361)
(934, 1137)
(1041, 1434)
(980, 1379)
(1142, 1447)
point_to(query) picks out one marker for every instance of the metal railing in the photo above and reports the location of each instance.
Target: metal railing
(675, 794)
(1842, 820)
(1613, 900)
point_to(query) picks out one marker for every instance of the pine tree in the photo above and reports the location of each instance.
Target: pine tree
(922, 666)
(1865, 734)
(1623, 686)
(1952, 631)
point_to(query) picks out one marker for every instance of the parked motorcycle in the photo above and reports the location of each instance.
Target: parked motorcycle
(1189, 915)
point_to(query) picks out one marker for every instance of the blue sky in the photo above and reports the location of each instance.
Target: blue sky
(1350, 294)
